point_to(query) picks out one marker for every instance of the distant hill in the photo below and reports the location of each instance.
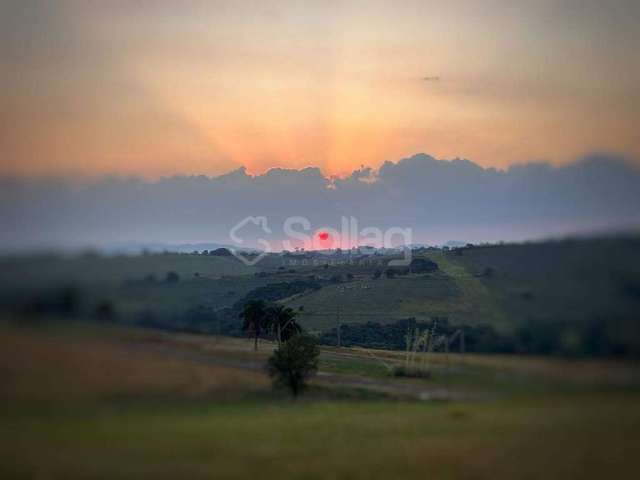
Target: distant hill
(567, 296)
(162, 247)
(562, 292)
(563, 284)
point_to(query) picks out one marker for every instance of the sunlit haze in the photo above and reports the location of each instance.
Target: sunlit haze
(153, 89)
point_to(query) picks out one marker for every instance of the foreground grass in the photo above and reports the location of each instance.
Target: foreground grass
(125, 403)
(549, 437)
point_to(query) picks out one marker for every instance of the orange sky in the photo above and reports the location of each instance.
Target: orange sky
(194, 87)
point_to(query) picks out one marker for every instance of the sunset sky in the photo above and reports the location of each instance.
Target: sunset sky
(202, 87)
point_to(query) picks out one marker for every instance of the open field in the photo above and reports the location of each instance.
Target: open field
(109, 402)
(552, 438)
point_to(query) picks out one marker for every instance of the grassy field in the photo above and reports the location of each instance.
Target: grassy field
(83, 399)
(328, 439)
(89, 402)
(475, 297)
(553, 280)
(381, 300)
(134, 286)
(92, 270)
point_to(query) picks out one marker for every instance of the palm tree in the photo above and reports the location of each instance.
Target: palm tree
(282, 320)
(254, 314)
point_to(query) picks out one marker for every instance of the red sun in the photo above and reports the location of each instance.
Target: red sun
(323, 235)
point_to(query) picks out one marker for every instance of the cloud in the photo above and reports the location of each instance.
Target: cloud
(439, 199)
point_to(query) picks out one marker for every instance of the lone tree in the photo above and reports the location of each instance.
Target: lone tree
(293, 362)
(255, 318)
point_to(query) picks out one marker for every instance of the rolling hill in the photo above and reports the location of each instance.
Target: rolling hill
(571, 292)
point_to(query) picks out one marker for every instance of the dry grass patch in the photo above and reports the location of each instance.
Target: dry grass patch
(63, 366)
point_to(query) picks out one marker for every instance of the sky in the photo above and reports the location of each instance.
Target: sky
(159, 88)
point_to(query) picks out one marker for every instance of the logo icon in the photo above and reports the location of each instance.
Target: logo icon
(245, 256)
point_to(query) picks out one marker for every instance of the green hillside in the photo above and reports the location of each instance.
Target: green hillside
(384, 300)
(563, 296)
(133, 287)
(502, 285)
(562, 283)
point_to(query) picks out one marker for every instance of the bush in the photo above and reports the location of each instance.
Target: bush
(63, 302)
(392, 335)
(411, 372)
(172, 277)
(220, 252)
(273, 292)
(422, 265)
(105, 311)
(293, 363)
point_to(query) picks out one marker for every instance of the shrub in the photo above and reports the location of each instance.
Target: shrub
(63, 301)
(411, 372)
(293, 363)
(277, 291)
(220, 252)
(105, 311)
(422, 265)
(172, 277)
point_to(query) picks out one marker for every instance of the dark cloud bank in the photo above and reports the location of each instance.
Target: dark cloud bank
(439, 200)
